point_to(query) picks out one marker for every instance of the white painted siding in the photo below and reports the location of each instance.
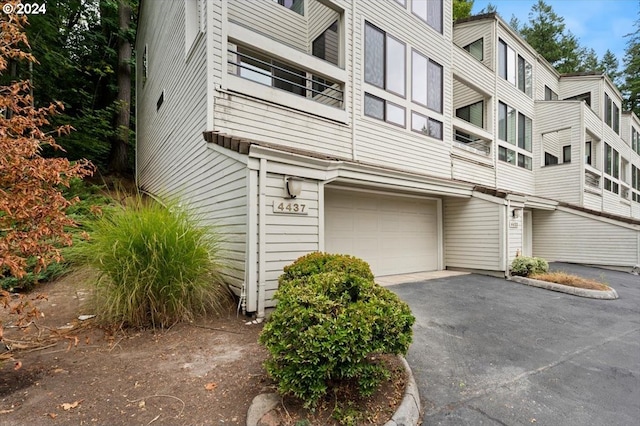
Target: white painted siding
(472, 167)
(288, 236)
(614, 204)
(514, 229)
(472, 234)
(173, 161)
(468, 32)
(272, 20)
(320, 18)
(571, 237)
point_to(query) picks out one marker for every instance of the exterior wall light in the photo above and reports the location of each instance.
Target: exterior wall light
(515, 213)
(293, 186)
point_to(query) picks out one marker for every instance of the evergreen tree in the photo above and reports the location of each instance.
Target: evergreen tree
(609, 66)
(631, 72)
(462, 9)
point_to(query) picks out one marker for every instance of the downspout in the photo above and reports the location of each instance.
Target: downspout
(262, 232)
(354, 151)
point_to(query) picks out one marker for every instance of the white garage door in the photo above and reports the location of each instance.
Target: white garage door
(396, 235)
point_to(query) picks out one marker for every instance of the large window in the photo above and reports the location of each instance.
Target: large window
(612, 168)
(473, 113)
(611, 113)
(635, 140)
(430, 11)
(517, 129)
(514, 68)
(384, 60)
(426, 82)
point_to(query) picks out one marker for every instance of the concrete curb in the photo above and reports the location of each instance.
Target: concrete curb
(407, 414)
(592, 294)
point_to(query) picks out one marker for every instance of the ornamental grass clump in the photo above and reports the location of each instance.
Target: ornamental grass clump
(328, 324)
(157, 267)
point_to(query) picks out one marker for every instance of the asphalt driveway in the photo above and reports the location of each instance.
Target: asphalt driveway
(488, 351)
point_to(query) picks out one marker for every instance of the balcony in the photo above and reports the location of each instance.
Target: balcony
(592, 178)
(471, 138)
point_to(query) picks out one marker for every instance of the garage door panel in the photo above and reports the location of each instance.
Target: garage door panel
(393, 234)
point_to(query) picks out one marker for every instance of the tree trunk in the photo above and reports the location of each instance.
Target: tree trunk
(118, 157)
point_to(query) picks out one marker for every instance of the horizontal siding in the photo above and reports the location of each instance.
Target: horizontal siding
(592, 201)
(320, 17)
(288, 236)
(513, 178)
(272, 20)
(465, 167)
(569, 237)
(472, 234)
(469, 32)
(514, 237)
(247, 118)
(614, 204)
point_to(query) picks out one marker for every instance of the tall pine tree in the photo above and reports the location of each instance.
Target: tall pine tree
(631, 71)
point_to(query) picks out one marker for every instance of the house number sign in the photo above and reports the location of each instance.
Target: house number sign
(286, 206)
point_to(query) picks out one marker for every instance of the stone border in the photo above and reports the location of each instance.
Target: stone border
(592, 294)
(407, 414)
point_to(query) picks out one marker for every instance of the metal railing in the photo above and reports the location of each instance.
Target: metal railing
(473, 143)
(287, 78)
(591, 179)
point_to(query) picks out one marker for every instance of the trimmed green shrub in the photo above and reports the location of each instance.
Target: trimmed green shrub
(326, 325)
(157, 267)
(524, 266)
(318, 262)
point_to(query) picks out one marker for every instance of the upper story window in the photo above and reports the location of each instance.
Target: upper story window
(611, 113)
(514, 68)
(476, 49)
(585, 97)
(430, 11)
(550, 95)
(517, 129)
(384, 60)
(327, 45)
(473, 113)
(294, 5)
(611, 167)
(635, 140)
(384, 110)
(426, 82)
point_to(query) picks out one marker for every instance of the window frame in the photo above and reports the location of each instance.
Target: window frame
(385, 60)
(469, 49)
(566, 154)
(428, 120)
(385, 104)
(428, 18)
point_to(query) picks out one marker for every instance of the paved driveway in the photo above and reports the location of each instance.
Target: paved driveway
(491, 352)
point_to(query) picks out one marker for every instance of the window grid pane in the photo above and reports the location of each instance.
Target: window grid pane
(395, 114)
(434, 101)
(373, 56)
(419, 78)
(395, 66)
(373, 107)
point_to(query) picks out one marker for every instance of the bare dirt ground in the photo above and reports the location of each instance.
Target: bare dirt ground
(206, 372)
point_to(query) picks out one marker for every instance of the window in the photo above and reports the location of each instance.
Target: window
(260, 68)
(473, 113)
(524, 132)
(426, 125)
(430, 11)
(327, 45)
(635, 140)
(294, 5)
(383, 110)
(611, 113)
(566, 154)
(524, 161)
(476, 49)
(550, 95)
(587, 152)
(612, 168)
(384, 60)
(585, 97)
(426, 82)
(516, 129)
(549, 159)
(514, 68)
(507, 155)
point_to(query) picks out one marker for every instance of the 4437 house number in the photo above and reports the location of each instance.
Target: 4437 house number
(289, 207)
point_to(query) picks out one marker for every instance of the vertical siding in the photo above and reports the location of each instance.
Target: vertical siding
(598, 242)
(172, 157)
(271, 19)
(472, 235)
(288, 236)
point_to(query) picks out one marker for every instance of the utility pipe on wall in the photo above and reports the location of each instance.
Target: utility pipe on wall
(262, 232)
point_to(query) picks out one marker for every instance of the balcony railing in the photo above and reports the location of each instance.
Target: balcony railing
(472, 143)
(257, 67)
(591, 179)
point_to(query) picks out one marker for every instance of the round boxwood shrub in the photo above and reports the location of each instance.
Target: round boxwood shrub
(318, 262)
(325, 327)
(524, 266)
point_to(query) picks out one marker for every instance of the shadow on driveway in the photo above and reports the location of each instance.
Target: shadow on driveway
(493, 352)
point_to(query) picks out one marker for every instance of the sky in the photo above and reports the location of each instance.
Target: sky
(598, 24)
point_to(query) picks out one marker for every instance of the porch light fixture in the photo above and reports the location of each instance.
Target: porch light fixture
(515, 213)
(293, 185)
